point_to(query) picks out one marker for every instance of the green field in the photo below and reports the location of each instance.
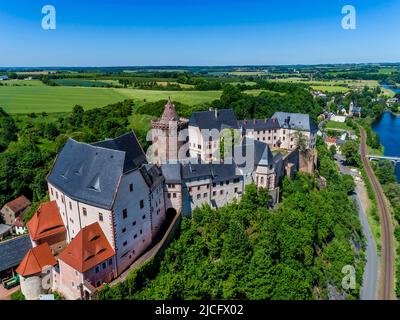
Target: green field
(337, 126)
(54, 99)
(186, 97)
(39, 98)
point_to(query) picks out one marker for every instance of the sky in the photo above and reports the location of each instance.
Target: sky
(197, 32)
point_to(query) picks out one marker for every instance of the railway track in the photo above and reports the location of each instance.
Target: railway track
(387, 259)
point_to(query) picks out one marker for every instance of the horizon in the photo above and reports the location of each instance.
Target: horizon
(200, 33)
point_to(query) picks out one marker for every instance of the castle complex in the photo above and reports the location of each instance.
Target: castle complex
(108, 201)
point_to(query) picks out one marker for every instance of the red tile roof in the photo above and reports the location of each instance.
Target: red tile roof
(88, 249)
(35, 260)
(330, 140)
(46, 221)
(18, 204)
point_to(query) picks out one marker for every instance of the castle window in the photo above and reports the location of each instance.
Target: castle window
(134, 223)
(124, 213)
(135, 236)
(174, 195)
(198, 188)
(62, 199)
(236, 190)
(214, 193)
(57, 195)
(141, 204)
(70, 205)
(84, 211)
(123, 230)
(125, 243)
(221, 192)
(110, 262)
(205, 195)
(104, 265)
(144, 217)
(97, 269)
(198, 196)
(51, 190)
(131, 187)
(169, 195)
(100, 216)
(141, 232)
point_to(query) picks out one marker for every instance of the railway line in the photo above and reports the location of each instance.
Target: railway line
(387, 258)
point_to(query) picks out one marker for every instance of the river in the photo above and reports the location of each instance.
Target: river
(388, 130)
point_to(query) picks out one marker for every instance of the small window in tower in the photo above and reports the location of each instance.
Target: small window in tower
(84, 211)
(124, 213)
(100, 216)
(131, 187)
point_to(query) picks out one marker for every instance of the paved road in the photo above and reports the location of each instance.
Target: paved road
(387, 270)
(370, 276)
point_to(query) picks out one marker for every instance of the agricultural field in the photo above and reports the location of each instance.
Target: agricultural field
(186, 97)
(20, 83)
(36, 99)
(40, 98)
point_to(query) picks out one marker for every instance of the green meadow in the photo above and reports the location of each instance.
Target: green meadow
(40, 98)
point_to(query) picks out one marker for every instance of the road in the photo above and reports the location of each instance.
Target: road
(370, 276)
(387, 263)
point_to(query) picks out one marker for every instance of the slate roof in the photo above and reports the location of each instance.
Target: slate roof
(172, 172)
(296, 121)
(91, 173)
(261, 152)
(4, 228)
(217, 172)
(208, 120)
(259, 124)
(152, 175)
(13, 251)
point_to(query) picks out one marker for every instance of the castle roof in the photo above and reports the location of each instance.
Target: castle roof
(88, 249)
(46, 221)
(295, 121)
(91, 172)
(169, 112)
(214, 119)
(259, 124)
(35, 260)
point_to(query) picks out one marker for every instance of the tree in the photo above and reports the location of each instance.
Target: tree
(350, 152)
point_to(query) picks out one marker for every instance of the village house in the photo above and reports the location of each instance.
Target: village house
(15, 208)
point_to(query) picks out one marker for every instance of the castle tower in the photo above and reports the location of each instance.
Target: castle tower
(168, 137)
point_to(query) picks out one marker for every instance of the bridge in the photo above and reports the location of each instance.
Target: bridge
(394, 160)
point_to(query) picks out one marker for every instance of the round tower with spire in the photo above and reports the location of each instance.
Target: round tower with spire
(168, 136)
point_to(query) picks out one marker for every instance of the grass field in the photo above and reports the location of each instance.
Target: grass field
(54, 99)
(187, 97)
(38, 97)
(337, 126)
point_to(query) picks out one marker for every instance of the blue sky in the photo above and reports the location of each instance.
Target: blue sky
(197, 32)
